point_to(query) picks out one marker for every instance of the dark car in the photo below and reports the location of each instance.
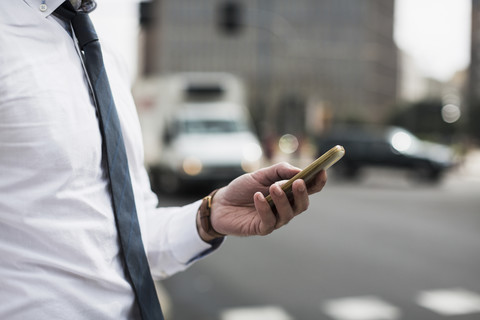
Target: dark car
(394, 147)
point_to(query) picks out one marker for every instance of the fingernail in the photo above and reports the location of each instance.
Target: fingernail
(278, 191)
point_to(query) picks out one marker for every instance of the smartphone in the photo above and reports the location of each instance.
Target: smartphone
(323, 162)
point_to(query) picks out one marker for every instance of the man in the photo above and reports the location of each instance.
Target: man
(61, 256)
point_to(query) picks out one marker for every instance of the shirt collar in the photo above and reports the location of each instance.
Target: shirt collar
(52, 5)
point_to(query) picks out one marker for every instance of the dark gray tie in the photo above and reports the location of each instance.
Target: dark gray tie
(136, 263)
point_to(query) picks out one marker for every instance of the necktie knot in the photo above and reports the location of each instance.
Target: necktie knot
(81, 23)
(66, 11)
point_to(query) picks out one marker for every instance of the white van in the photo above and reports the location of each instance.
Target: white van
(206, 135)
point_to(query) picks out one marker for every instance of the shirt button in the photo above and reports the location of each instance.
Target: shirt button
(43, 7)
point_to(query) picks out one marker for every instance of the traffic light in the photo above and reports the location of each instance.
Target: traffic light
(146, 13)
(230, 17)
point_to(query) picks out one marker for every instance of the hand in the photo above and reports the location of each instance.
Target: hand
(241, 209)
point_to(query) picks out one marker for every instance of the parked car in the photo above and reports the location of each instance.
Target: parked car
(393, 147)
(210, 143)
(197, 130)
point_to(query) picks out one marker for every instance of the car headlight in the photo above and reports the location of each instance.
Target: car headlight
(252, 154)
(192, 166)
(401, 141)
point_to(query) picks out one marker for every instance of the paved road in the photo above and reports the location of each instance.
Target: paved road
(379, 249)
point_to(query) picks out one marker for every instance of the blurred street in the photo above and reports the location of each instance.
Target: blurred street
(381, 247)
(377, 249)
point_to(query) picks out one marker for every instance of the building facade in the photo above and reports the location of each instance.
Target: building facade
(336, 56)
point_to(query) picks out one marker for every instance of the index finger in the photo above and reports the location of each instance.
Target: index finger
(281, 171)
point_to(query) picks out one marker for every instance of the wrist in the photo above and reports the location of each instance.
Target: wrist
(204, 224)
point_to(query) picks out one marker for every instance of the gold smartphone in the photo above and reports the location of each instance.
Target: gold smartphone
(323, 162)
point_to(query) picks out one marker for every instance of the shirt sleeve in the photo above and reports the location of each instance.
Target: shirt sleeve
(172, 239)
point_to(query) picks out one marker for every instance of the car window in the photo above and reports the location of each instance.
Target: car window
(212, 126)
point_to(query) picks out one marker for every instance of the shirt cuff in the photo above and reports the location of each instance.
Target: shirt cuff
(186, 244)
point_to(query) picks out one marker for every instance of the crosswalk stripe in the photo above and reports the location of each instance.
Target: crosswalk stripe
(256, 313)
(360, 308)
(451, 302)
(445, 302)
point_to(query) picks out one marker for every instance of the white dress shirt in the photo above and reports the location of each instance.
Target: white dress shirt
(59, 250)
